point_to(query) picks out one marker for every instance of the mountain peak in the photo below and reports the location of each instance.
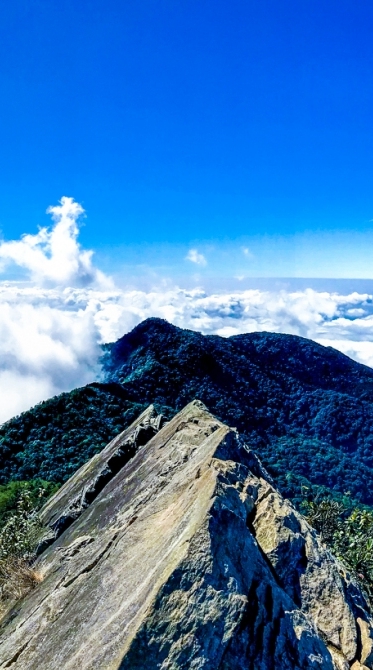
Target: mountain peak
(287, 395)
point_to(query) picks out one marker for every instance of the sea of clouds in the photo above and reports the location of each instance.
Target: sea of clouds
(52, 325)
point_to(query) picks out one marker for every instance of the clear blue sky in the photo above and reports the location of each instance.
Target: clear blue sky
(184, 123)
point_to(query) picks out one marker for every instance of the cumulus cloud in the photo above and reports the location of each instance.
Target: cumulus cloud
(53, 256)
(51, 328)
(49, 340)
(195, 257)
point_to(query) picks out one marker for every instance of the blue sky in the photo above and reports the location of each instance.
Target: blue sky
(216, 126)
(209, 163)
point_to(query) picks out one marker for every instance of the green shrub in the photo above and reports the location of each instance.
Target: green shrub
(39, 490)
(325, 517)
(18, 539)
(349, 535)
(353, 544)
(19, 534)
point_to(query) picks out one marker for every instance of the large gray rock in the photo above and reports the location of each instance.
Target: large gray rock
(81, 490)
(186, 558)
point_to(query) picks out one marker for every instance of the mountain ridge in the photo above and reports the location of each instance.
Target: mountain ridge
(183, 554)
(307, 410)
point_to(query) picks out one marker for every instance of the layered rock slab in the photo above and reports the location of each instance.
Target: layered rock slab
(81, 490)
(186, 558)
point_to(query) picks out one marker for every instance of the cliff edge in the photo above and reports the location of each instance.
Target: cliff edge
(173, 550)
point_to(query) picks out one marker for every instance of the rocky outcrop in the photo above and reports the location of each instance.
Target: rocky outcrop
(81, 490)
(185, 558)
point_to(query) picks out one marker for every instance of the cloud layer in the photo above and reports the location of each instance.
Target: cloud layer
(51, 327)
(50, 337)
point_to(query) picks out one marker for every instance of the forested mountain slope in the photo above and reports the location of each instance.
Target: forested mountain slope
(53, 439)
(307, 410)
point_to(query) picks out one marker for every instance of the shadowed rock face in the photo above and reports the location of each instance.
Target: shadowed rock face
(185, 558)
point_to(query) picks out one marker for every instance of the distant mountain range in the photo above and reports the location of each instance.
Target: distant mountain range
(307, 410)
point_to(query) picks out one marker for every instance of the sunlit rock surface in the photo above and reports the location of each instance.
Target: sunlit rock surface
(173, 550)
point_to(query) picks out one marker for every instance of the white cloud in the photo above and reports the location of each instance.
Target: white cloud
(47, 345)
(321, 316)
(195, 257)
(51, 329)
(54, 257)
(247, 252)
(50, 337)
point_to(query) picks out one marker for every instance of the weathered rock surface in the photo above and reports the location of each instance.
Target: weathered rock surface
(183, 557)
(80, 491)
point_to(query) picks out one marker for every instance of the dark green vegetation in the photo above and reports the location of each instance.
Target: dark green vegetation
(307, 410)
(36, 490)
(18, 539)
(349, 535)
(52, 440)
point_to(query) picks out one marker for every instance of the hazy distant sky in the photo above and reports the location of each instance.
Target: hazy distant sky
(181, 124)
(206, 162)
